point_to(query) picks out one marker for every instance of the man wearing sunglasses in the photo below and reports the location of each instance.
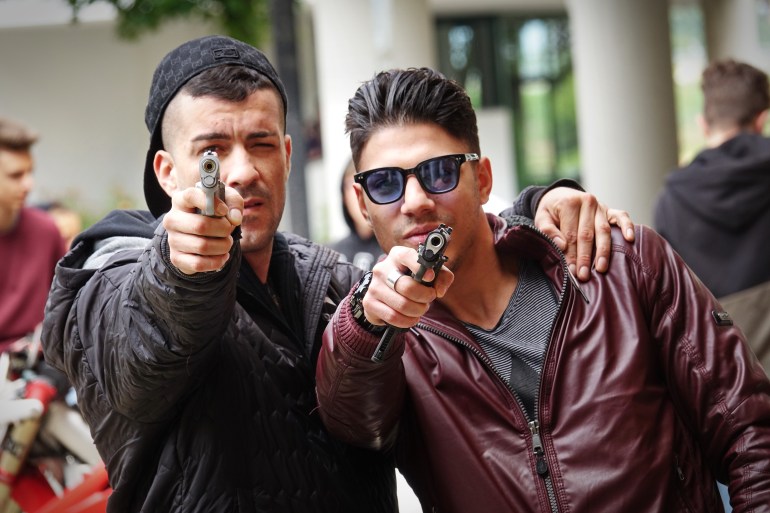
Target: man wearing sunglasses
(509, 385)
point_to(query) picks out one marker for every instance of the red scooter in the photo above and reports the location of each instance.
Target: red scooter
(48, 463)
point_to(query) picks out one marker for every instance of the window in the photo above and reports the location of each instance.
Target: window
(523, 64)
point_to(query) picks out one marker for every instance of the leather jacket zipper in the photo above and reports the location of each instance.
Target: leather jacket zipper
(541, 463)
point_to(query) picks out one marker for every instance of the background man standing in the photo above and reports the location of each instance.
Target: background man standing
(716, 210)
(30, 243)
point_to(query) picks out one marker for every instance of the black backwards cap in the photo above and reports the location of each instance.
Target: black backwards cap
(176, 68)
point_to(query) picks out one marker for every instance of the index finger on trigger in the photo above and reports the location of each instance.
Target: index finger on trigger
(443, 280)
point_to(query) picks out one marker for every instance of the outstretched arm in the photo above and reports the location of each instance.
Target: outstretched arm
(360, 400)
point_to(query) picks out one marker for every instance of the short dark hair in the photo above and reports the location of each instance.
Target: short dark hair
(232, 83)
(16, 137)
(408, 96)
(734, 93)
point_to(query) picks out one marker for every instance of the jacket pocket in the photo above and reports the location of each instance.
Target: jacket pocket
(696, 487)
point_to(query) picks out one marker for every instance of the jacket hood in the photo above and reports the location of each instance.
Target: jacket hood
(729, 185)
(120, 223)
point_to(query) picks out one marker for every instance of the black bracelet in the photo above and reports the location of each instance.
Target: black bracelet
(357, 305)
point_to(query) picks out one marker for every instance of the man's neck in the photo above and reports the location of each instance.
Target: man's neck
(718, 137)
(8, 219)
(483, 285)
(260, 262)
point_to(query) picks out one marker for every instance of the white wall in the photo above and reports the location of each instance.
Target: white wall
(495, 137)
(85, 92)
(732, 30)
(625, 100)
(354, 40)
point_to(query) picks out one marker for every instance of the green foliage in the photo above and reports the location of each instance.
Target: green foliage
(247, 20)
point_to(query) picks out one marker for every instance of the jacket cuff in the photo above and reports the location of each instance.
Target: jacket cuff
(529, 198)
(161, 246)
(356, 338)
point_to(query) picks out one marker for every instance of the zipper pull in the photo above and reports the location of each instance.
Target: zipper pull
(537, 449)
(679, 471)
(577, 286)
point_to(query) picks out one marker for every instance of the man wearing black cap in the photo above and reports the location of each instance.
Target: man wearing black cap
(192, 340)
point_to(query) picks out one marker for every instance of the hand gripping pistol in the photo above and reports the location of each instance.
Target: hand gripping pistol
(430, 255)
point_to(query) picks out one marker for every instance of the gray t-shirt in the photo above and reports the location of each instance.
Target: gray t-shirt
(518, 343)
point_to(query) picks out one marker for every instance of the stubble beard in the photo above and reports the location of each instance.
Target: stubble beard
(258, 231)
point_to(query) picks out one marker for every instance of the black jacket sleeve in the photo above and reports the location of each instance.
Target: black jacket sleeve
(137, 334)
(526, 202)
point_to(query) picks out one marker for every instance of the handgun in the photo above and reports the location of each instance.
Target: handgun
(430, 255)
(208, 167)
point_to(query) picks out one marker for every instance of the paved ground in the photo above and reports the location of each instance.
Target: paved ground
(407, 501)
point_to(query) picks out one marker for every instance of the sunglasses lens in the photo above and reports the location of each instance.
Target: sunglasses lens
(439, 175)
(385, 185)
(436, 176)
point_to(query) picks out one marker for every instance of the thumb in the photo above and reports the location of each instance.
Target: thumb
(234, 202)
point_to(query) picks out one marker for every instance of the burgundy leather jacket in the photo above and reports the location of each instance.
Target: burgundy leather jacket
(645, 398)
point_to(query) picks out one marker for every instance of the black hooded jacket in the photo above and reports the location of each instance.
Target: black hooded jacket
(715, 212)
(200, 390)
(199, 396)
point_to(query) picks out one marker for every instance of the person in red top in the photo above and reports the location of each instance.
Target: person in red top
(30, 242)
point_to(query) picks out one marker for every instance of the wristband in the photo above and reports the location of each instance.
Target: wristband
(357, 305)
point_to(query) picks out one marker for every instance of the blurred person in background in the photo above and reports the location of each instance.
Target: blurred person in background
(30, 242)
(360, 247)
(68, 220)
(715, 211)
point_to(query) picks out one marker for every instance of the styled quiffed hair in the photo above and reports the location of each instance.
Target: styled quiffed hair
(16, 137)
(408, 96)
(734, 94)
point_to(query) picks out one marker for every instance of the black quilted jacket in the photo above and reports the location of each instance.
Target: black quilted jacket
(197, 400)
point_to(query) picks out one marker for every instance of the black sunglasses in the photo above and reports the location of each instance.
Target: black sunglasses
(437, 175)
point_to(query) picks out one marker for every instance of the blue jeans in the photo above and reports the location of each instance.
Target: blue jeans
(725, 497)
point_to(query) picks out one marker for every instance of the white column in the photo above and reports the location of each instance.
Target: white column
(354, 40)
(625, 100)
(732, 30)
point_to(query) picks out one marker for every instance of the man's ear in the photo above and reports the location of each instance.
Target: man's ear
(702, 125)
(165, 171)
(484, 179)
(287, 147)
(759, 122)
(361, 202)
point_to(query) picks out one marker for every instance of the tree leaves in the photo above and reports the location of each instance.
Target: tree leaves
(247, 20)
